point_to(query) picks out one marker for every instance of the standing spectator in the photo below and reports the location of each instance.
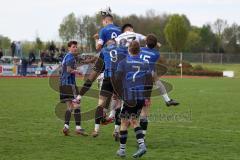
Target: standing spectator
(1, 53)
(19, 49)
(31, 58)
(24, 67)
(13, 48)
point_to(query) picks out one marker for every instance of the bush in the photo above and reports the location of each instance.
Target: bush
(198, 68)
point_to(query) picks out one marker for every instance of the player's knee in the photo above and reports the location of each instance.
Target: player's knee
(124, 124)
(134, 123)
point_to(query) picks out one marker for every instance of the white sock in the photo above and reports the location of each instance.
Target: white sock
(79, 97)
(144, 132)
(117, 127)
(66, 126)
(166, 98)
(97, 126)
(112, 113)
(78, 127)
(122, 147)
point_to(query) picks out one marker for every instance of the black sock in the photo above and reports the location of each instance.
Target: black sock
(139, 136)
(117, 117)
(68, 116)
(86, 86)
(98, 115)
(123, 139)
(144, 124)
(77, 116)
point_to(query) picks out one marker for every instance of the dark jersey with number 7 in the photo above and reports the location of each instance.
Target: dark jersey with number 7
(135, 77)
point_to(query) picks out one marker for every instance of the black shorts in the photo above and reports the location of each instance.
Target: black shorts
(68, 92)
(130, 110)
(107, 89)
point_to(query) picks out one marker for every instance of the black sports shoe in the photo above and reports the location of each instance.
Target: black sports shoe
(172, 102)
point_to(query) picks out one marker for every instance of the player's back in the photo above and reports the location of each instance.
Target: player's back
(134, 72)
(112, 55)
(150, 56)
(109, 32)
(67, 78)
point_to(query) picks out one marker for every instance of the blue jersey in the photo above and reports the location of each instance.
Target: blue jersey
(111, 56)
(107, 33)
(134, 72)
(151, 56)
(66, 77)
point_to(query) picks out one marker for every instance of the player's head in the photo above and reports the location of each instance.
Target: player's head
(151, 41)
(134, 48)
(72, 47)
(107, 17)
(127, 27)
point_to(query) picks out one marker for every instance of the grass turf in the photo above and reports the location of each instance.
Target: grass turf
(209, 127)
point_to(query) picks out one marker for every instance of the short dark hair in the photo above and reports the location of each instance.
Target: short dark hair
(134, 47)
(70, 43)
(125, 26)
(151, 41)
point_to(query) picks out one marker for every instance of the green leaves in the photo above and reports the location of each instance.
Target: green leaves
(176, 32)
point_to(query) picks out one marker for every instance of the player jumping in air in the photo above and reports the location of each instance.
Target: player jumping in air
(69, 90)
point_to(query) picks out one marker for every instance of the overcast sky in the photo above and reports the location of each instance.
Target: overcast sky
(24, 19)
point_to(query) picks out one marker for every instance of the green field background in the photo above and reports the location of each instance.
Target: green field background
(210, 131)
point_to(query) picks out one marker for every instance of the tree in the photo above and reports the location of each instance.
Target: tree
(176, 32)
(218, 27)
(231, 39)
(68, 28)
(5, 42)
(39, 44)
(193, 43)
(207, 38)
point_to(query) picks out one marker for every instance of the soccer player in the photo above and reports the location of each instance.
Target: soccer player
(69, 90)
(129, 35)
(109, 31)
(109, 57)
(134, 85)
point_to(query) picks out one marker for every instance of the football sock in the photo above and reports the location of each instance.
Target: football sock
(68, 116)
(139, 136)
(166, 98)
(162, 90)
(98, 115)
(144, 125)
(97, 127)
(77, 116)
(123, 139)
(86, 86)
(117, 117)
(116, 128)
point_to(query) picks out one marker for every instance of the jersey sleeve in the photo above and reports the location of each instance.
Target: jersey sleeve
(140, 37)
(102, 38)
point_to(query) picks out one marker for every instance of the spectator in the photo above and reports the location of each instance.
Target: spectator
(24, 67)
(1, 53)
(18, 49)
(13, 48)
(31, 58)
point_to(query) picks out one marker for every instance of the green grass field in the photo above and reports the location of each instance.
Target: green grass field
(208, 130)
